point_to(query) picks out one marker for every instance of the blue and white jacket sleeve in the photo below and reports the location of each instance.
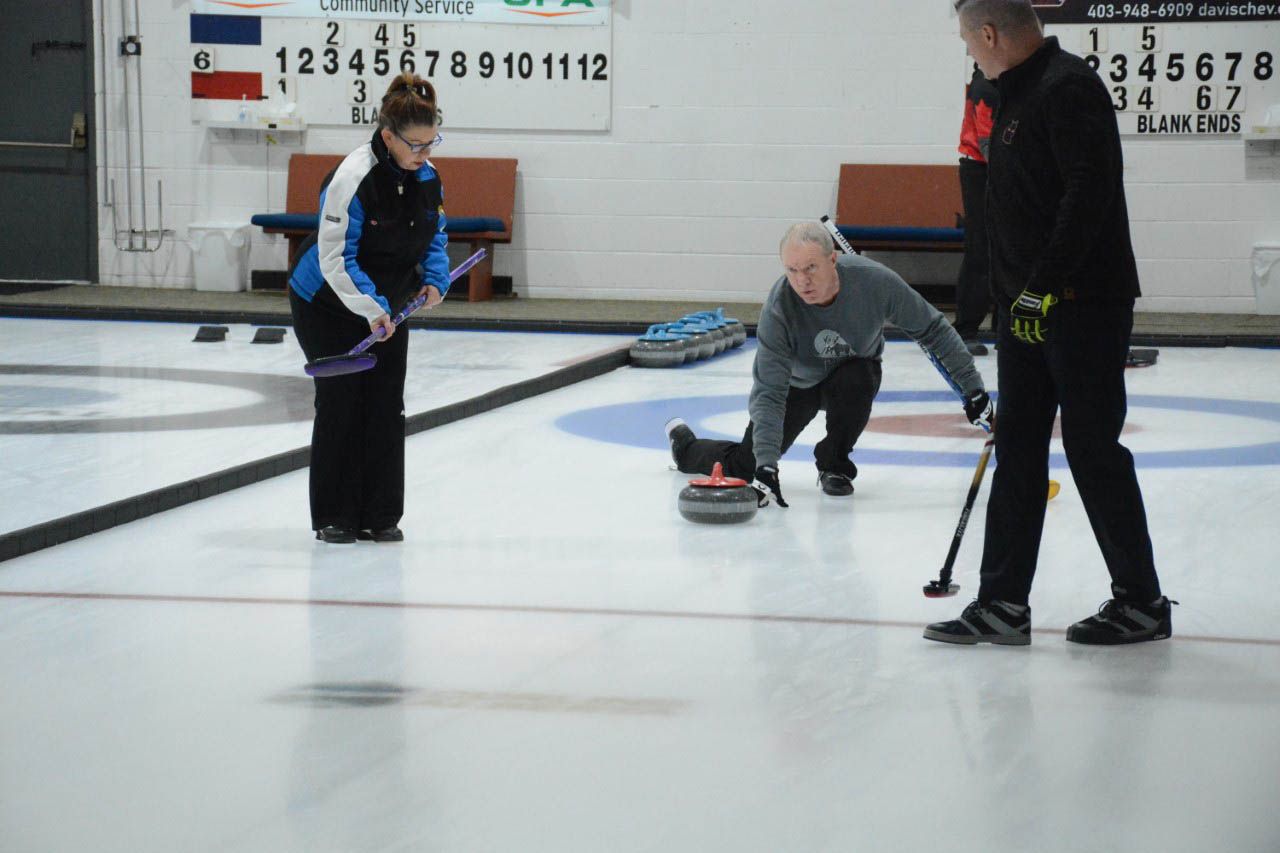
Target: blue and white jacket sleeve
(338, 242)
(435, 260)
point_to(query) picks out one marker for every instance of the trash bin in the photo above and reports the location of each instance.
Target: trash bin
(221, 254)
(1266, 277)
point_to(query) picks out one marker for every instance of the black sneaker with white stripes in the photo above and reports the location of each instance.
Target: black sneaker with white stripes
(680, 437)
(992, 622)
(835, 484)
(334, 535)
(382, 534)
(1119, 622)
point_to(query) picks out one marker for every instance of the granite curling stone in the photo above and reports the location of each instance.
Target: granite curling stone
(660, 347)
(714, 327)
(736, 330)
(718, 499)
(700, 340)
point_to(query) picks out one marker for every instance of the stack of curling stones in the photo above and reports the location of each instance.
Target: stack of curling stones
(692, 337)
(718, 499)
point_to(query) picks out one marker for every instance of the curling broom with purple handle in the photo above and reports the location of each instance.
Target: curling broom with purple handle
(357, 359)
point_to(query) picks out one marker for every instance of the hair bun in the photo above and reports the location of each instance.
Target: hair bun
(409, 100)
(408, 81)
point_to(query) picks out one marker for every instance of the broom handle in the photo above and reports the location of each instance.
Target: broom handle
(416, 303)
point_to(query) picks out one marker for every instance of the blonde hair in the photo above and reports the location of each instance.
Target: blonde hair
(808, 232)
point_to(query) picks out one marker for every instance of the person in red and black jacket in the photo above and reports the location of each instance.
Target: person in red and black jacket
(973, 287)
(380, 243)
(1064, 280)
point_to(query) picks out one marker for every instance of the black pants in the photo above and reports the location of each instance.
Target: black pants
(845, 395)
(357, 441)
(1081, 372)
(973, 287)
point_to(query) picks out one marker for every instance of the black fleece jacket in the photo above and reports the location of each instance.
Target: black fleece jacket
(1056, 211)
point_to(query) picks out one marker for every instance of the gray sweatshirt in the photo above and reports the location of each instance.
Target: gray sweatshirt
(800, 344)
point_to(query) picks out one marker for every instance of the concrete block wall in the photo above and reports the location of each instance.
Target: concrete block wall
(730, 121)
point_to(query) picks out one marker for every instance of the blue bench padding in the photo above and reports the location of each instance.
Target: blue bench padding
(310, 221)
(868, 233)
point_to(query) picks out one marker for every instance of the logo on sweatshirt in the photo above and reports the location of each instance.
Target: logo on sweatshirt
(1007, 136)
(830, 346)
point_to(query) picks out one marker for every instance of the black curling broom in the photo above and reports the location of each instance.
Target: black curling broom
(943, 587)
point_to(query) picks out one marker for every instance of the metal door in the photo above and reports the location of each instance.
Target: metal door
(48, 202)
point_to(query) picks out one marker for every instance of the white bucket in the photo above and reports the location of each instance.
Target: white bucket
(1266, 277)
(221, 254)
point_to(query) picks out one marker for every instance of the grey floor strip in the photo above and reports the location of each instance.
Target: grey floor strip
(270, 318)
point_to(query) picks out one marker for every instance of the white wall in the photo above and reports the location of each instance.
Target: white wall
(730, 120)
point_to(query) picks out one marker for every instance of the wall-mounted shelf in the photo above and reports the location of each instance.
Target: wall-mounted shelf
(276, 124)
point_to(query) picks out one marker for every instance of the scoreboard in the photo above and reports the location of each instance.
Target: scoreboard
(1176, 68)
(333, 70)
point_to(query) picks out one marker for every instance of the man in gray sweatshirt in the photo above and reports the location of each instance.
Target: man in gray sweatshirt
(821, 336)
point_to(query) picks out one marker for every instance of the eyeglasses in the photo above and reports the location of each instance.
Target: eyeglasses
(419, 147)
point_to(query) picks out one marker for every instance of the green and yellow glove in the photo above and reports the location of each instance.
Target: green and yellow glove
(1030, 316)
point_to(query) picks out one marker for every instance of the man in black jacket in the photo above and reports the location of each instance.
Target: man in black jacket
(1065, 280)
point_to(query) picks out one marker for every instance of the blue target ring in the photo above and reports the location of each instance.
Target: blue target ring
(639, 424)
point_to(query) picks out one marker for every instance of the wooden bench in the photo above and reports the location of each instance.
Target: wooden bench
(904, 208)
(479, 205)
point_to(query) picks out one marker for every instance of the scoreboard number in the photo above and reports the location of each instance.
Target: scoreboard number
(335, 33)
(1149, 39)
(358, 92)
(203, 61)
(1231, 99)
(407, 35)
(1147, 98)
(384, 34)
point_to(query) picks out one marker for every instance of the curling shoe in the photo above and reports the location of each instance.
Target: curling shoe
(336, 535)
(1120, 622)
(835, 484)
(385, 534)
(975, 347)
(680, 437)
(994, 622)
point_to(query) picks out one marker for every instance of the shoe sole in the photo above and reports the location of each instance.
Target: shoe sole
(369, 537)
(680, 444)
(975, 640)
(835, 494)
(1104, 640)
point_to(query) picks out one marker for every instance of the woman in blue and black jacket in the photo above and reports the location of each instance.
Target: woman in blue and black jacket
(380, 243)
